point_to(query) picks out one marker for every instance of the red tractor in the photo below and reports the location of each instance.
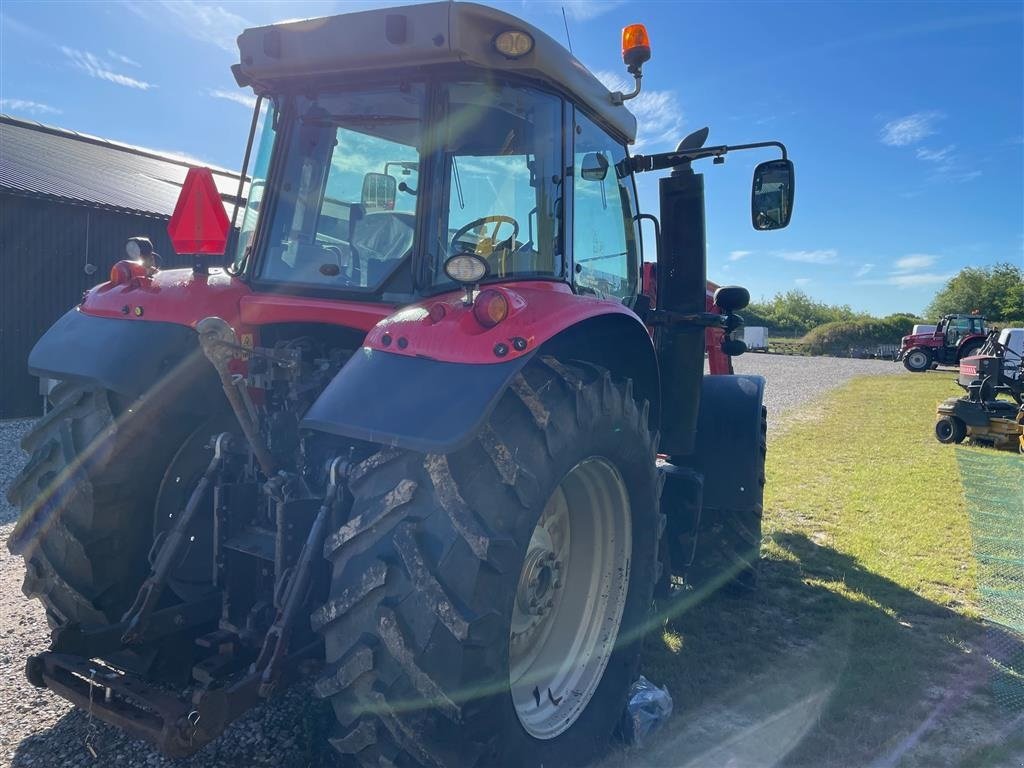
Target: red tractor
(424, 437)
(954, 338)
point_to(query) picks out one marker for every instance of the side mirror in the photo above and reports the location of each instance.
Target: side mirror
(594, 166)
(733, 347)
(731, 298)
(379, 191)
(771, 199)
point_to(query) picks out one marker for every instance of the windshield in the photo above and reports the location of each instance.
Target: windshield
(503, 173)
(345, 212)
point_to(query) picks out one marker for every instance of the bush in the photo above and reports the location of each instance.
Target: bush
(839, 337)
(794, 313)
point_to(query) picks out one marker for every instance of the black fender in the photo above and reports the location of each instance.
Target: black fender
(414, 403)
(434, 406)
(130, 357)
(729, 442)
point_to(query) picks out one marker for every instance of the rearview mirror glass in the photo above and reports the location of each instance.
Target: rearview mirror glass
(379, 190)
(771, 200)
(594, 166)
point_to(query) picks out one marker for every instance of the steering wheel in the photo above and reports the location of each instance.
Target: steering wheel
(487, 245)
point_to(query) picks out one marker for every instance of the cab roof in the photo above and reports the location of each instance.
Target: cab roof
(412, 37)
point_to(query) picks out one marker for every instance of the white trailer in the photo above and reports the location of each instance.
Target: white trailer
(756, 338)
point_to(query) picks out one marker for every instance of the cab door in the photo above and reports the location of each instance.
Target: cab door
(605, 239)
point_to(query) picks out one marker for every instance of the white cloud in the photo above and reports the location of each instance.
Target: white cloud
(802, 281)
(584, 10)
(913, 262)
(943, 155)
(864, 269)
(659, 115)
(207, 23)
(123, 59)
(737, 255)
(31, 107)
(823, 256)
(909, 129)
(910, 280)
(238, 97)
(96, 67)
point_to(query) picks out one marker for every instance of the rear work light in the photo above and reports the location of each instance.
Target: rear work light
(490, 307)
(513, 43)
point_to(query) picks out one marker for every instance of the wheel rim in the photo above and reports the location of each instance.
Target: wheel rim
(945, 430)
(570, 598)
(918, 360)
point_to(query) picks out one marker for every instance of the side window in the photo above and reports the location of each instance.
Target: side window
(604, 236)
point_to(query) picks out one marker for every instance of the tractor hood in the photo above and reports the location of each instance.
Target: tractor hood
(407, 39)
(914, 339)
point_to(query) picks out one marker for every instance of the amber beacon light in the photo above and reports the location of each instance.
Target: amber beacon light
(636, 47)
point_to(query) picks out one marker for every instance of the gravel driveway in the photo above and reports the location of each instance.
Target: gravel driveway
(791, 380)
(39, 729)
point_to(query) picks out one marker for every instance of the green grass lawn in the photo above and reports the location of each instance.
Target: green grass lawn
(864, 644)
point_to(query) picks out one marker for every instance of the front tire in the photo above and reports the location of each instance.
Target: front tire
(428, 583)
(950, 429)
(917, 360)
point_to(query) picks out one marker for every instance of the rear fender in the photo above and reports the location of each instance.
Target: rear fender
(729, 442)
(429, 375)
(159, 359)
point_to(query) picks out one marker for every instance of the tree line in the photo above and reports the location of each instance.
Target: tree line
(996, 292)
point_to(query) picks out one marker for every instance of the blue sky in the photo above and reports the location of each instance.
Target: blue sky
(905, 120)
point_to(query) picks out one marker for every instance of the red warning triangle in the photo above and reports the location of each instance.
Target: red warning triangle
(199, 224)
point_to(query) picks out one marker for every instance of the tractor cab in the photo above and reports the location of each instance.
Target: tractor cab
(485, 139)
(954, 328)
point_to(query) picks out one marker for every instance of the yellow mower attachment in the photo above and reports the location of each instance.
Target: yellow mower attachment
(998, 423)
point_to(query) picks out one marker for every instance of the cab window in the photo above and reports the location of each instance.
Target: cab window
(604, 236)
(503, 161)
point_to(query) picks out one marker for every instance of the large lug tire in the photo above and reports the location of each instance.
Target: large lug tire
(86, 500)
(442, 557)
(729, 544)
(970, 348)
(918, 360)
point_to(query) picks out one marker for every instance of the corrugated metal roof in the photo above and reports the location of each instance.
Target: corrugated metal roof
(36, 159)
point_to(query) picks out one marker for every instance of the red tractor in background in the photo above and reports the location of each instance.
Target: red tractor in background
(424, 437)
(954, 338)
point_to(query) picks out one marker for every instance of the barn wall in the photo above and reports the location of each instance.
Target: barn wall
(44, 249)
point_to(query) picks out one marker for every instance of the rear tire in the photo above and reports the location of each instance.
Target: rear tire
(426, 580)
(918, 360)
(950, 429)
(970, 348)
(729, 543)
(86, 500)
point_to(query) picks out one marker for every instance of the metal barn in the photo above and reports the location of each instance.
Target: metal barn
(68, 204)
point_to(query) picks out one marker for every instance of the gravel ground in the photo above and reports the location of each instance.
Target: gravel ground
(40, 730)
(792, 381)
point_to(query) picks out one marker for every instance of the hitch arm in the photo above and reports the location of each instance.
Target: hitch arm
(137, 617)
(275, 644)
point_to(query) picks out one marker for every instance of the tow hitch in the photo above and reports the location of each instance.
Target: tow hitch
(177, 726)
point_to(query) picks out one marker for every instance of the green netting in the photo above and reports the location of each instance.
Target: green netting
(994, 490)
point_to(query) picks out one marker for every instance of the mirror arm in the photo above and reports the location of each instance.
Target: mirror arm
(643, 163)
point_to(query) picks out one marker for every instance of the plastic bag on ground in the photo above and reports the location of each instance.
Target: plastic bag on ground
(647, 708)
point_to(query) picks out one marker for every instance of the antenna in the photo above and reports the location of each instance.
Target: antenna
(565, 21)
